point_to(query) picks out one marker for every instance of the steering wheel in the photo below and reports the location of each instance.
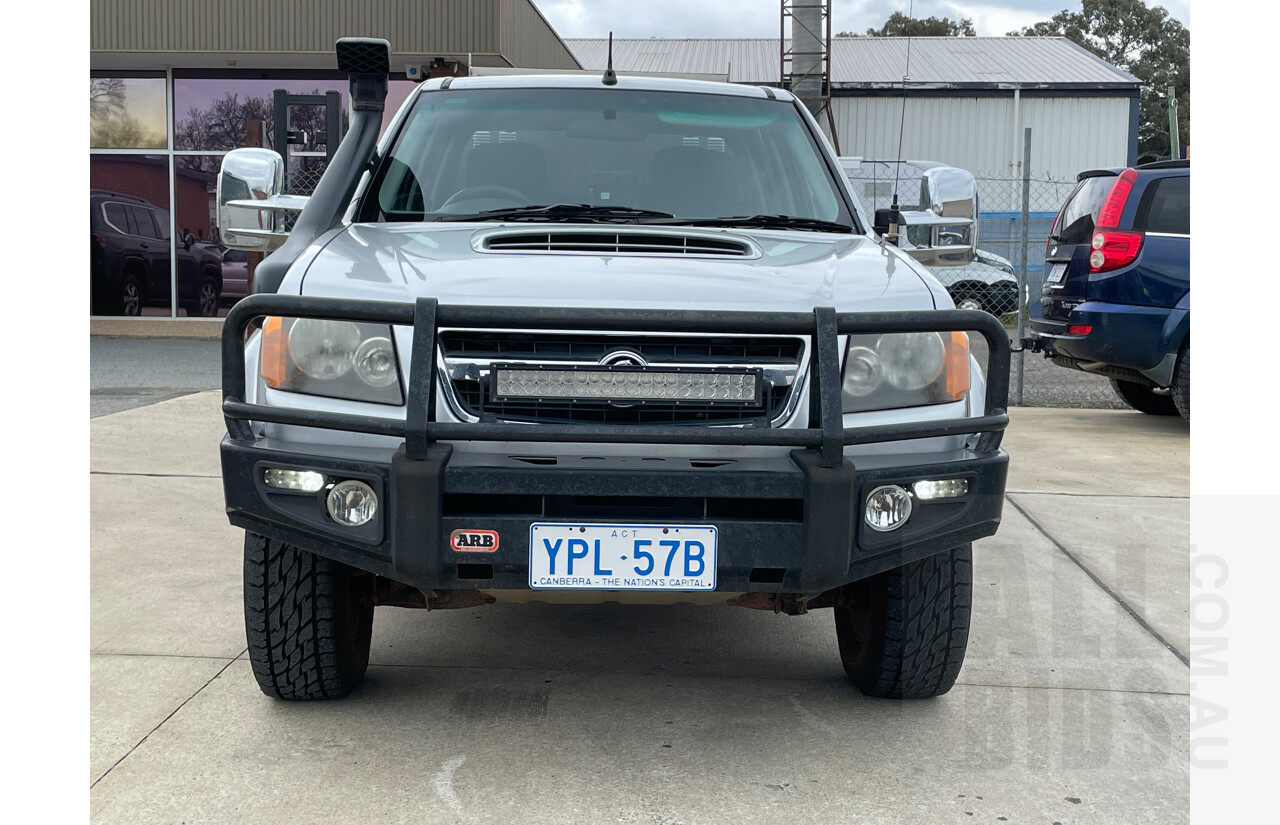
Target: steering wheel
(491, 190)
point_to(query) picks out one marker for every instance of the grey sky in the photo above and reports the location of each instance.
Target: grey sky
(760, 18)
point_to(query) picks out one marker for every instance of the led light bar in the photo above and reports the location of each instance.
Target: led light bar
(633, 385)
(933, 489)
(302, 481)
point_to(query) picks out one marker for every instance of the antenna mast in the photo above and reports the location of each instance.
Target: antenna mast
(610, 79)
(806, 57)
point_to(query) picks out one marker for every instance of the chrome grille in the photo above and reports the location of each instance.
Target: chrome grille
(467, 356)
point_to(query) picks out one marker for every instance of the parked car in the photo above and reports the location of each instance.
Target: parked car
(235, 275)
(975, 279)
(586, 339)
(1117, 291)
(131, 255)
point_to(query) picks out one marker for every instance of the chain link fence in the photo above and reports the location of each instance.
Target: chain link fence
(304, 174)
(990, 281)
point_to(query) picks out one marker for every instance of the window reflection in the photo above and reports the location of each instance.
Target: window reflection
(202, 287)
(127, 113)
(142, 245)
(214, 114)
(129, 228)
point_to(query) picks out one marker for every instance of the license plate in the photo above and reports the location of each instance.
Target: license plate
(622, 557)
(1056, 273)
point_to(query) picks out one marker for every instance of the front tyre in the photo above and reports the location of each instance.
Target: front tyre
(308, 619)
(1144, 399)
(903, 633)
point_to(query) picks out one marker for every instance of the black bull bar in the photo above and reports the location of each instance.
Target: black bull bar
(421, 469)
(419, 429)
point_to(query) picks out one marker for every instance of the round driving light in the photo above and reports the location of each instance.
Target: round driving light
(352, 503)
(888, 508)
(375, 363)
(1097, 258)
(912, 360)
(861, 371)
(323, 349)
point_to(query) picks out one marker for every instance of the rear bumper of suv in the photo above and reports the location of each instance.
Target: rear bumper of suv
(788, 524)
(1125, 341)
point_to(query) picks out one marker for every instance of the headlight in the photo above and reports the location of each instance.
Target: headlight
(904, 369)
(337, 359)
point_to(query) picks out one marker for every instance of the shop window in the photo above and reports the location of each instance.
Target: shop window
(130, 227)
(127, 113)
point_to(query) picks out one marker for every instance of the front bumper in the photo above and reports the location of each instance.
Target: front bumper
(788, 524)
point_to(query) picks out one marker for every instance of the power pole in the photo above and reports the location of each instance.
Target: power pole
(1175, 151)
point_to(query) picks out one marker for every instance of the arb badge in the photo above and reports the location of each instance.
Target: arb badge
(474, 541)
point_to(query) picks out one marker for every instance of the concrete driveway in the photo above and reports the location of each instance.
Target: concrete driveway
(1072, 706)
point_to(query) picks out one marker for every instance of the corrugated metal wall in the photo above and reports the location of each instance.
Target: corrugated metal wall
(1069, 134)
(425, 26)
(532, 42)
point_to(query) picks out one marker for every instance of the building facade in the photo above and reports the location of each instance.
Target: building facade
(175, 84)
(966, 101)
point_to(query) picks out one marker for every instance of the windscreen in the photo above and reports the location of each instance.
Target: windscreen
(468, 151)
(1075, 223)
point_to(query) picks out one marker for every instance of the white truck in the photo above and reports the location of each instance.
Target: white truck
(583, 339)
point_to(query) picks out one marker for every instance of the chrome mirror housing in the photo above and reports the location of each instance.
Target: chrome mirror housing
(944, 232)
(250, 200)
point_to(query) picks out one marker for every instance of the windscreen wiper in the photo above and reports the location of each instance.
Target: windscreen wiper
(767, 222)
(559, 212)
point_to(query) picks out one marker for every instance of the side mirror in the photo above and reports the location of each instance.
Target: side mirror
(250, 200)
(188, 240)
(944, 232)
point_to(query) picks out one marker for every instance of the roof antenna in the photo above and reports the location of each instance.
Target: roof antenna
(890, 219)
(610, 79)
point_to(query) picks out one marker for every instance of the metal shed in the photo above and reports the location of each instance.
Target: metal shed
(967, 99)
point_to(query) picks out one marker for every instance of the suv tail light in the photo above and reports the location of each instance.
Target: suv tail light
(1115, 248)
(1113, 206)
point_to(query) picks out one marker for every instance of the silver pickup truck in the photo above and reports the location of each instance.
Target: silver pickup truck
(590, 338)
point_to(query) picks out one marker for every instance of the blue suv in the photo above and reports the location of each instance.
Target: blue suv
(1117, 289)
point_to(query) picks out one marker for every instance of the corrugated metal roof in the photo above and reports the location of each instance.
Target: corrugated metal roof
(873, 62)
(752, 60)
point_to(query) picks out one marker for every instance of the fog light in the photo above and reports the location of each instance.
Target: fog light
(940, 488)
(888, 508)
(302, 481)
(352, 503)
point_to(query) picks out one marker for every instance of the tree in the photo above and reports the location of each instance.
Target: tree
(222, 125)
(110, 124)
(106, 95)
(900, 25)
(1148, 44)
